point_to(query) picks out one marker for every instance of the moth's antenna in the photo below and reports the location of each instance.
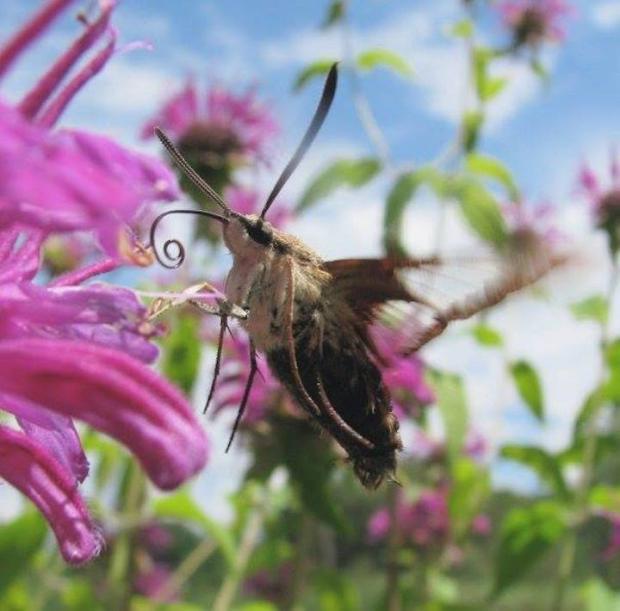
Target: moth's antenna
(325, 103)
(187, 169)
(171, 260)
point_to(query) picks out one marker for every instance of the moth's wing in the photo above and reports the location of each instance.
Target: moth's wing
(423, 295)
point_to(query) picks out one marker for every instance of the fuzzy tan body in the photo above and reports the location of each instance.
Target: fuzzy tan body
(331, 347)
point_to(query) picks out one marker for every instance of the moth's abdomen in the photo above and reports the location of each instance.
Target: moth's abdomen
(355, 389)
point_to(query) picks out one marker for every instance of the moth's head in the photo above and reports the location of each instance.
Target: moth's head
(242, 234)
(246, 234)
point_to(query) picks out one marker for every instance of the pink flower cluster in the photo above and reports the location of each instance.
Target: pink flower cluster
(603, 196)
(222, 122)
(533, 22)
(68, 350)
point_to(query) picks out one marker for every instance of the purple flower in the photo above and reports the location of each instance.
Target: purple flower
(613, 543)
(69, 180)
(271, 584)
(210, 127)
(152, 582)
(603, 196)
(403, 375)
(231, 384)
(69, 351)
(247, 201)
(423, 524)
(481, 525)
(533, 22)
(527, 222)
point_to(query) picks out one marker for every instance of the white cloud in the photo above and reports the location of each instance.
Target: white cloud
(606, 15)
(440, 63)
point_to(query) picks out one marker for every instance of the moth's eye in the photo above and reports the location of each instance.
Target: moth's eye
(260, 232)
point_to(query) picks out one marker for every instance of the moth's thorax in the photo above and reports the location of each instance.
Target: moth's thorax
(238, 240)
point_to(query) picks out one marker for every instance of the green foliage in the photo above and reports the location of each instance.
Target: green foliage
(528, 384)
(181, 351)
(383, 58)
(336, 592)
(463, 28)
(598, 597)
(317, 68)
(545, 465)
(335, 13)
(480, 210)
(471, 124)
(181, 507)
(605, 498)
(471, 486)
(493, 168)
(526, 536)
(452, 405)
(140, 603)
(352, 173)
(20, 540)
(399, 197)
(593, 308)
(487, 86)
(487, 336)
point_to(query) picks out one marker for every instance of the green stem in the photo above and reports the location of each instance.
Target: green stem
(392, 577)
(249, 540)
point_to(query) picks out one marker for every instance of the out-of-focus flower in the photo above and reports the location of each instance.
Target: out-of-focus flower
(67, 180)
(481, 525)
(613, 542)
(424, 523)
(527, 221)
(68, 351)
(247, 201)
(476, 446)
(155, 537)
(272, 585)
(533, 22)
(604, 198)
(233, 377)
(152, 582)
(216, 131)
(403, 375)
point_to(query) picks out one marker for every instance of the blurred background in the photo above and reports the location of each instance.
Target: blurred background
(458, 128)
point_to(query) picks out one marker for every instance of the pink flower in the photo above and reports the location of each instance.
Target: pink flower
(422, 524)
(404, 376)
(613, 543)
(603, 196)
(533, 22)
(69, 180)
(534, 221)
(69, 351)
(271, 584)
(152, 582)
(247, 201)
(481, 525)
(231, 384)
(216, 124)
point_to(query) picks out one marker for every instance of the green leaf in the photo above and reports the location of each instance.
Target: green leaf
(463, 28)
(605, 498)
(495, 169)
(487, 336)
(335, 12)
(546, 466)
(528, 385)
(401, 193)
(312, 71)
(452, 403)
(598, 597)
(492, 87)
(336, 591)
(256, 605)
(526, 535)
(593, 308)
(539, 70)
(182, 507)
(593, 402)
(181, 351)
(471, 486)
(482, 57)
(470, 129)
(345, 172)
(19, 542)
(310, 464)
(141, 603)
(480, 210)
(383, 58)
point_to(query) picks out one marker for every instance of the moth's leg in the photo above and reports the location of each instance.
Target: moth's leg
(326, 408)
(246, 393)
(438, 326)
(218, 360)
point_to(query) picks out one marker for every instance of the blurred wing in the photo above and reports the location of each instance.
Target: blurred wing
(422, 296)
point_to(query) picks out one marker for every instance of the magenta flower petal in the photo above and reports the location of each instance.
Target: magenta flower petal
(379, 525)
(30, 32)
(113, 393)
(19, 261)
(55, 432)
(34, 100)
(30, 468)
(177, 114)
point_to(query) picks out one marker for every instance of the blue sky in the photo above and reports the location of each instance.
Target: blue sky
(541, 132)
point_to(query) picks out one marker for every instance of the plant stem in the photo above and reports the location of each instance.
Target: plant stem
(393, 602)
(249, 539)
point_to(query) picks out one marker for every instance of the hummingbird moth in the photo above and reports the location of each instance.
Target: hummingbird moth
(312, 318)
